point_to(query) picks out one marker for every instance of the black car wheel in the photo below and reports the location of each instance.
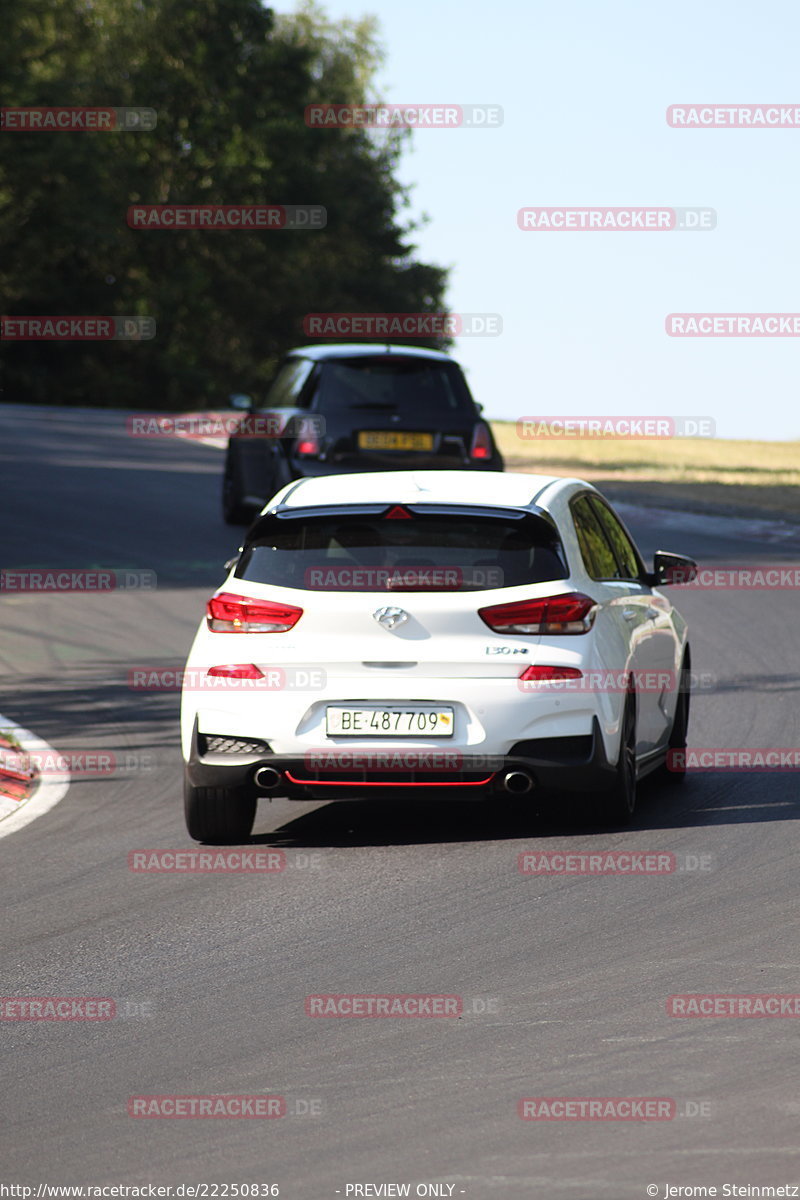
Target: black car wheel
(619, 803)
(675, 771)
(218, 814)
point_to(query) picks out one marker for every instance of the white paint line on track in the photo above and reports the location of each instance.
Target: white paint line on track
(15, 814)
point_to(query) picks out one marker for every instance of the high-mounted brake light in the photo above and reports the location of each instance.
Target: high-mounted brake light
(228, 613)
(481, 447)
(571, 612)
(398, 513)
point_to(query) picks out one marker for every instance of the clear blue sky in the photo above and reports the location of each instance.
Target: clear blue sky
(584, 86)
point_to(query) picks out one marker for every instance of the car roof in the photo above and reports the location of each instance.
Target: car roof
(495, 489)
(357, 349)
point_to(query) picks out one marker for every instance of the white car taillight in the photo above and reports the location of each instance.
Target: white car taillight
(228, 613)
(569, 613)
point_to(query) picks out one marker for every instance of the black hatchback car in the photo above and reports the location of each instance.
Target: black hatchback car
(344, 408)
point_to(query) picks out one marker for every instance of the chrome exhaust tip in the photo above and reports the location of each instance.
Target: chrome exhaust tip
(267, 779)
(517, 782)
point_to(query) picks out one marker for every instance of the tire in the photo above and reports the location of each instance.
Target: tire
(222, 815)
(618, 804)
(676, 774)
(234, 512)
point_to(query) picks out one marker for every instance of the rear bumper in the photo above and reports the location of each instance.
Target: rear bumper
(566, 764)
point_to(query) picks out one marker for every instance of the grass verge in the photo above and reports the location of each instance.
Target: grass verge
(698, 474)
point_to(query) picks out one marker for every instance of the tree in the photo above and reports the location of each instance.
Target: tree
(230, 82)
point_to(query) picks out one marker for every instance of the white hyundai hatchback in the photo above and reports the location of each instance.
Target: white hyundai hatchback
(437, 633)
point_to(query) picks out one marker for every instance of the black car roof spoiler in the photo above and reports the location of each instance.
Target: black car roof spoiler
(296, 513)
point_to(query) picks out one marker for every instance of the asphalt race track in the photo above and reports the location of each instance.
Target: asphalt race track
(564, 980)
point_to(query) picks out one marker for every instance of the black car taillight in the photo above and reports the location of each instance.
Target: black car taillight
(308, 440)
(481, 447)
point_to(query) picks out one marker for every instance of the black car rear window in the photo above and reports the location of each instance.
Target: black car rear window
(369, 553)
(363, 385)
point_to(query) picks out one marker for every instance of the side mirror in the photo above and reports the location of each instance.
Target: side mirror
(241, 401)
(671, 569)
(231, 563)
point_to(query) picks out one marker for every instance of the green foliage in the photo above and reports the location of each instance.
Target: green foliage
(230, 81)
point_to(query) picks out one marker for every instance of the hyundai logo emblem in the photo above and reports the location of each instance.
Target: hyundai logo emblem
(390, 617)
